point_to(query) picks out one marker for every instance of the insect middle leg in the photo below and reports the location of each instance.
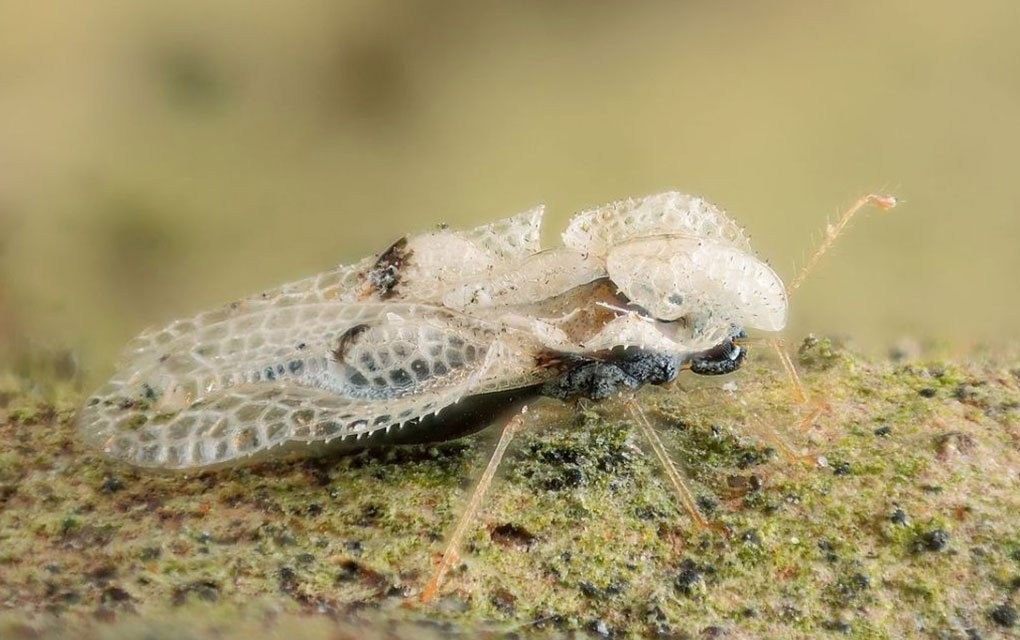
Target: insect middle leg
(683, 494)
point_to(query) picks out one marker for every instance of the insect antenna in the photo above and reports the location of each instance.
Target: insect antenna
(450, 554)
(833, 231)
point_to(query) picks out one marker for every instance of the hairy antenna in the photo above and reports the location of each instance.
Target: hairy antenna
(833, 231)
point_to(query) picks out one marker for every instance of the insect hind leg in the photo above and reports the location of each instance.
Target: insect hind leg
(450, 554)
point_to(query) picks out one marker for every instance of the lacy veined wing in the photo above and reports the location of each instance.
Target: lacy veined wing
(421, 268)
(302, 377)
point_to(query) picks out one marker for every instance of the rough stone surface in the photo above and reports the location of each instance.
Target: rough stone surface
(342, 548)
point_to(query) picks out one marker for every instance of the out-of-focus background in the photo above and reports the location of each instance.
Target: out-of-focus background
(160, 158)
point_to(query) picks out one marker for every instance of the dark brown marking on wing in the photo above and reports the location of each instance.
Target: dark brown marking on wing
(385, 274)
(346, 340)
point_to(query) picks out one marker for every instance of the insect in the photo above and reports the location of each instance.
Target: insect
(443, 333)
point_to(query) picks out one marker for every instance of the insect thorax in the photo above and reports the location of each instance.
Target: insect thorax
(601, 375)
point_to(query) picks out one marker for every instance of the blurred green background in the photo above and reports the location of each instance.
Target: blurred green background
(160, 158)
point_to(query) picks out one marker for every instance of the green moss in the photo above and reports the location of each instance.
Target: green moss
(822, 353)
(581, 531)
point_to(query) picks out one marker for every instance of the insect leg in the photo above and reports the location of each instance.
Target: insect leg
(832, 233)
(799, 394)
(450, 553)
(801, 397)
(791, 454)
(682, 492)
(820, 408)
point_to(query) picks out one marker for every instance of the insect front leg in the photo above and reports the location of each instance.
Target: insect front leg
(832, 233)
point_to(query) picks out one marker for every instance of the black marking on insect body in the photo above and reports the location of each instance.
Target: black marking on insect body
(386, 272)
(470, 415)
(594, 376)
(600, 376)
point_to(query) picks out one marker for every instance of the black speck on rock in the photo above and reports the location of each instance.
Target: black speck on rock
(102, 573)
(113, 595)
(689, 578)
(707, 504)
(512, 535)
(828, 550)
(751, 537)
(1004, 615)
(504, 601)
(742, 484)
(851, 587)
(287, 578)
(112, 484)
(354, 547)
(204, 590)
(839, 626)
(348, 571)
(600, 628)
(898, 516)
(937, 540)
(589, 590)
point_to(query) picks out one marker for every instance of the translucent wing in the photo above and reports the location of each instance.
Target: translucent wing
(420, 268)
(679, 276)
(511, 238)
(597, 230)
(416, 267)
(301, 374)
(525, 281)
(436, 262)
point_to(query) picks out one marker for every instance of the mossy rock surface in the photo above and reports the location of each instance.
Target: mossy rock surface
(911, 530)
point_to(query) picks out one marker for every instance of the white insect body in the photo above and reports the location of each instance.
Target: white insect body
(372, 353)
